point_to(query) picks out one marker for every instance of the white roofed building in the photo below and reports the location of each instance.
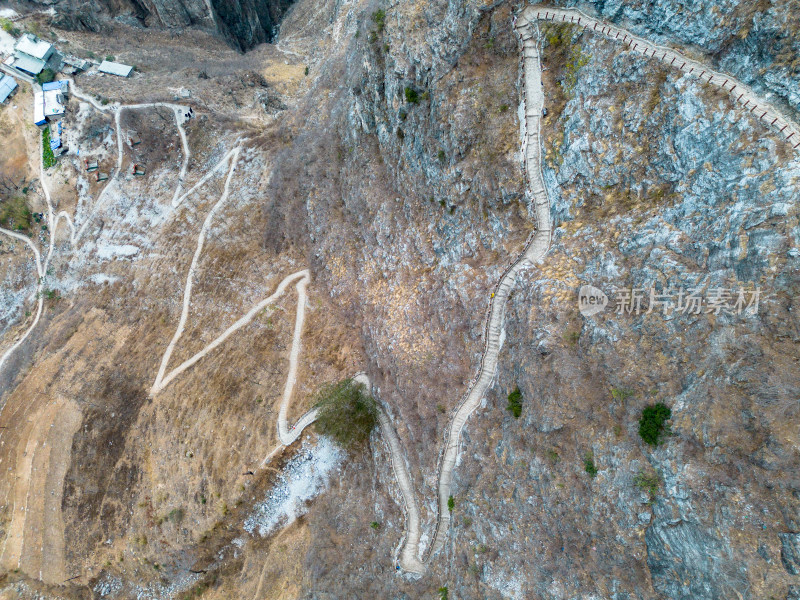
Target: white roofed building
(38, 109)
(115, 68)
(30, 54)
(33, 46)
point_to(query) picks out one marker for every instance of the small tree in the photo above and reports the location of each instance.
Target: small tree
(515, 403)
(652, 423)
(451, 503)
(588, 464)
(443, 593)
(648, 483)
(46, 76)
(380, 19)
(412, 97)
(347, 413)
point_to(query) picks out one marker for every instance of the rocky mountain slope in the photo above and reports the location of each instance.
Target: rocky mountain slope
(243, 24)
(395, 175)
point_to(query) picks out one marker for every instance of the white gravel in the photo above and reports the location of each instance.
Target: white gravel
(302, 479)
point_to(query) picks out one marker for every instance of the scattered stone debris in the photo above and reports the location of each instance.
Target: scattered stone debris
(303, 478)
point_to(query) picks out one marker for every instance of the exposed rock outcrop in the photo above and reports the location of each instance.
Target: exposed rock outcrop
(242, 23)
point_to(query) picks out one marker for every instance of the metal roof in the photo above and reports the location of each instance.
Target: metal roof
(38, 108)
(27, 63)
(54, 85)
(33, 47)
(7, 85)
(115, 68)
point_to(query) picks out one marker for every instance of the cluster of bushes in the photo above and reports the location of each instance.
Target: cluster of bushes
(46, 76)
(652, 425)
(588, 464)
(515, 403)
(648, 482)
(379, 18)
(8, 27)
(347, 413)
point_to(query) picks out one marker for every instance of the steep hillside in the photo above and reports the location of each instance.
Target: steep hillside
(375, 159)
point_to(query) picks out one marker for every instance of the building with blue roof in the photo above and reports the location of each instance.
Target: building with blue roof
(7, 86)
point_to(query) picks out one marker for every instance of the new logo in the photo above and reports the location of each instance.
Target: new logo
(591, 300)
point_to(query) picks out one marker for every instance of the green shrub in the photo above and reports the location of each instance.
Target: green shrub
(515, 403)
(588, 464)
(412, 97)
(451, 503)
(8, 27)
(347, 413)
(48, 157)
(379, 17)
(443, 593)
(648, 483)
(652, 423)
(46, 76)
(306, 71)
(110, 58)
(441, 156)
(375, 525)
(621, 394)
(176, 515)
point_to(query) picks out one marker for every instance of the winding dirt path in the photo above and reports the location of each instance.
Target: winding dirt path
(36, 544)
(54, 219)
(537, 246)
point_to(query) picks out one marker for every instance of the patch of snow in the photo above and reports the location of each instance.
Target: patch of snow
(304, 477)
(8, 13)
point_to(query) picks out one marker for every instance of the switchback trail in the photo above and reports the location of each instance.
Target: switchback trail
(54, 219)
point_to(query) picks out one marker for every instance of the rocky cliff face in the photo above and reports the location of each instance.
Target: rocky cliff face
(655, 181)
(243, 24)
